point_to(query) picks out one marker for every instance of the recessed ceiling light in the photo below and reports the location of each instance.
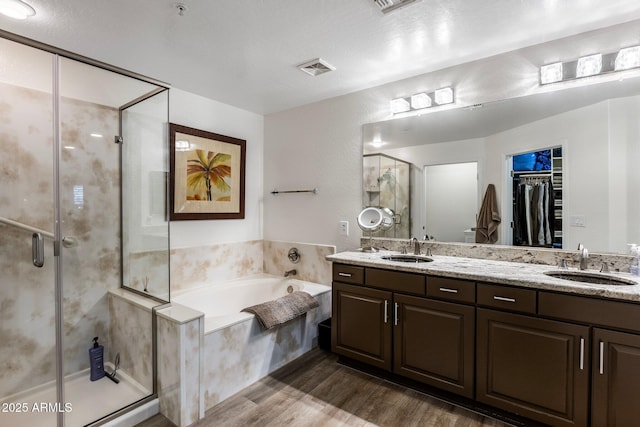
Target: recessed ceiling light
(16, 9)
(316, 67)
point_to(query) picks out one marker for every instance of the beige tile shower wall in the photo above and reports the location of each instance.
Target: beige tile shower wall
(148, 272)
(312, 266)
(27, 357)
(90, 210)
(131, 335)
(215, 264)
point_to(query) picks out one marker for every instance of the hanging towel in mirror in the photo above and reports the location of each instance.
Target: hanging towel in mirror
(488, 218)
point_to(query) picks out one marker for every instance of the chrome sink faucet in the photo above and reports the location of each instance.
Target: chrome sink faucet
(584, 256)
(416, 246)
(290, 273)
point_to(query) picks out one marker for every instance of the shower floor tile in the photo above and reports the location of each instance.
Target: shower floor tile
(86, 402)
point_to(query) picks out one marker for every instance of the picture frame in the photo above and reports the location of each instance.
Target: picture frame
(206, 175)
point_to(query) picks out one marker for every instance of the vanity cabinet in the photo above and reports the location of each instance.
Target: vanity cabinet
(557, 358)
(387, 322)
(615, 368)
(361, 329)
(434, 343)
(615, 378)
(533, 367)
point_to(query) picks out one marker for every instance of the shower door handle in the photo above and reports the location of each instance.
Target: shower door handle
(37, 249)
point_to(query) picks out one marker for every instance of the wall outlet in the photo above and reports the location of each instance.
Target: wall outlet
(577, 221)
(343, 228)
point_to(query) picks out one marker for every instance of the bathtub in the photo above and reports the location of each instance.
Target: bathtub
(237, 352)
(222, 304)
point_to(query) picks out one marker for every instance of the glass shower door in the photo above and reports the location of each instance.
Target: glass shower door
(90, 197)
(28, 393)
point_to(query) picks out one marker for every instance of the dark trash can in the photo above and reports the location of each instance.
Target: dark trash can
(324, 334)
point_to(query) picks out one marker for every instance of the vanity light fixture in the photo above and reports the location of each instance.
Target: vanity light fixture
(627, 58)
(551, 73)
(591, 65)
(444, 96)
(400, 105)
(422, 100)
(16, 9)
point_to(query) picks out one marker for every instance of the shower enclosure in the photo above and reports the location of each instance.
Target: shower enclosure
(83, 155)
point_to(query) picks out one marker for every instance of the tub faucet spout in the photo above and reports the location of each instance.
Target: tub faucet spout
(290, 273)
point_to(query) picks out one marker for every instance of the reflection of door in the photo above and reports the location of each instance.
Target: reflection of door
(451, 200)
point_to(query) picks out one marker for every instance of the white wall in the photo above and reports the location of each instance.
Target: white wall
(201, 113)
(321, 145)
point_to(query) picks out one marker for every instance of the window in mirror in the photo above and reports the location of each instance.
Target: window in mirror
(537, 198)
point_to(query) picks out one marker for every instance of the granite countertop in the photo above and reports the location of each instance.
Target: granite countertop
(502, 272)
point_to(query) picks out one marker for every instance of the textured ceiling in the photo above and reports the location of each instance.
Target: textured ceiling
(244, 52)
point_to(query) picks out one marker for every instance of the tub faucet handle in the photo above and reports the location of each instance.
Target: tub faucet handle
(290, 273)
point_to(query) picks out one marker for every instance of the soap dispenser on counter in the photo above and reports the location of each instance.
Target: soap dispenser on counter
(96, 360)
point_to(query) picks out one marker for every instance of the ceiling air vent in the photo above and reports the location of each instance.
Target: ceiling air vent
(387, 6)
(316, 67)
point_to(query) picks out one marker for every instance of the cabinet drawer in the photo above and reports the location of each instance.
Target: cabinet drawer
(507, 298)
(348, 274)
(451, 289)
(616, 314)
(396, 281)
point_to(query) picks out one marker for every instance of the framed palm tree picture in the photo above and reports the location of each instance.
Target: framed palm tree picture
(207, 173)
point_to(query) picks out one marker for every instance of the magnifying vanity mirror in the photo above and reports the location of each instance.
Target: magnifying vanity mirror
(373, 219)
(596, 128)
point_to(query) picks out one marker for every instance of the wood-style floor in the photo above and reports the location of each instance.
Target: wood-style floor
(315, 390)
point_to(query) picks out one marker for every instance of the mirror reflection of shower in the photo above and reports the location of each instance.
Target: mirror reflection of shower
(386, 184)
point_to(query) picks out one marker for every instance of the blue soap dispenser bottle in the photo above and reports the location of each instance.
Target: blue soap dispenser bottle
(96, 360)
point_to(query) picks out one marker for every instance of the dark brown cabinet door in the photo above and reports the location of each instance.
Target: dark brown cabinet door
(533, 367)
(434, 343)
(615, 379)
(361, 326)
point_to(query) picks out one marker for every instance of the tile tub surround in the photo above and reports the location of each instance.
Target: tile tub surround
(552, 257)
(312, 266)
(90, 269)
(180, 364)
(208, 265)
(238, 356)
(501, 272)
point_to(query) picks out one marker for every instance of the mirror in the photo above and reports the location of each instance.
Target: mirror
(597, 127)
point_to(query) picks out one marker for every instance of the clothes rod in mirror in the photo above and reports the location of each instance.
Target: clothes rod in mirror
(275, 192)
